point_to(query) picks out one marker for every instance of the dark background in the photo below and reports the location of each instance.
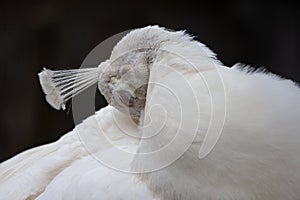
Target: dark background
(58, 35)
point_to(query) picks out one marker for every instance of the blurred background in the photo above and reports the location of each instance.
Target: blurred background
(59, 35)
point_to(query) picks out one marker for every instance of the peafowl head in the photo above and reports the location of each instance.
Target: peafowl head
(123, 78)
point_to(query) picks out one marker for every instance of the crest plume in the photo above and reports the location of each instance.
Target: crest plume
(60, 86)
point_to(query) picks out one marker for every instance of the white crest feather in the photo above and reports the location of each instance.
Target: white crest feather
(61, 85)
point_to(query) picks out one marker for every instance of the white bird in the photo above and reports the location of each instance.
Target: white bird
(249, 119)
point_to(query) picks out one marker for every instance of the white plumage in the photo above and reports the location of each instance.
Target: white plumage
(66, 170)
(256, 156)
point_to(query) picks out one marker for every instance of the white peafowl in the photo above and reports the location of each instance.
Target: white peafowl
(179, 125)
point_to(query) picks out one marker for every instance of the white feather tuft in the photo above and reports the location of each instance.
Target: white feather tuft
(60, 86)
